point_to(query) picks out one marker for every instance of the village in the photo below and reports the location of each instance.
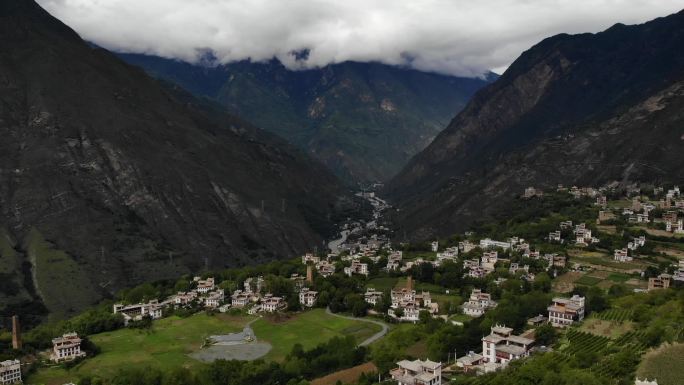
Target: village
(392, 281)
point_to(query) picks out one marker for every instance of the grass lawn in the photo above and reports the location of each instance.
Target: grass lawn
(419, 286)
(606, 328)
(165, 346)
(588, 280)
(383, 283)
(308, 329)
(665, 364)
(618, 277)
(566, 282)
(604, 260)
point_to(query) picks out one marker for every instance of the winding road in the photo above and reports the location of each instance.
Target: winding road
(370, 339)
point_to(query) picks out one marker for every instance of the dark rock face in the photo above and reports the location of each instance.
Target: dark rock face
(584, 109)
(135, 181)
(363, 120)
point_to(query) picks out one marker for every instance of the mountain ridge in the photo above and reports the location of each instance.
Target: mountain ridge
(548, 120)
(363, 120)
(112, 178)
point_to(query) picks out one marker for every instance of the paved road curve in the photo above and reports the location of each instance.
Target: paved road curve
(370, 339)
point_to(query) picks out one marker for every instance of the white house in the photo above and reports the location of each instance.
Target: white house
(478, 303)
(501, 346)
(565, 311)
(66, 348)
(136, 312)
(10, 372)
(417, 373)
(307, 297)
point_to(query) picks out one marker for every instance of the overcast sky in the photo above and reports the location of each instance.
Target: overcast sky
(457, 37)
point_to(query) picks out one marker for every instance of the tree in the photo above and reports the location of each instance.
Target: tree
(545, 334)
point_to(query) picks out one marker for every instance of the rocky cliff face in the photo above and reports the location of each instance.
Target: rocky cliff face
(582, 109)
(110, 179)
(363, 120)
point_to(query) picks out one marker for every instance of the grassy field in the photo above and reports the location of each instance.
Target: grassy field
(666, 364)
(419, 286)
(588, 280)
(606, 328)
(346, 376)
(607, 261)
(566, 282)
(308, 329)
(165, 346)
(383, 283)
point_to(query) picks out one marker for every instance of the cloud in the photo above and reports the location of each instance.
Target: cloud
(448, 36)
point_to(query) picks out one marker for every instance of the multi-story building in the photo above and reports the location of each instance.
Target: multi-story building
(182, 298)
(622, 255)
(357, 267)
(564, 311)
(478, 303)
(10, 372)
(66, 348)
(660, 282)
(272, 304)
(501, 346)
(240, 299)
(214, 299)
(372, 296)
(489, 259)
(417, 373)
(325, 268)
(306, 258)
(307, 297)
(490, 244)
(466, 246)
(555, 236)
(136, 312)
(204, 286)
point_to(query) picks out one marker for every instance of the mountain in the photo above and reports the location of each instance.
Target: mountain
(574, 109)
(363, 120)
(109, 178)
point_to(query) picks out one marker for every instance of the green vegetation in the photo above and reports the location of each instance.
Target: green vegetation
(588, 280)
(666, 364)
(51, 267)
(165, 347)
(308, 329)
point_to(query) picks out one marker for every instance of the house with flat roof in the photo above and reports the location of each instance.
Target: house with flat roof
(478, 303)
(271, 304)
(565, 311)
(372, 296)
(66, 348)
(417, 372)
(136, 312)
(660, 282)
(501, 346)
(307, 297)
(357, 267)
(205, 286)
(214, 299)
(10, 372)
(325, 268)
(470, 361)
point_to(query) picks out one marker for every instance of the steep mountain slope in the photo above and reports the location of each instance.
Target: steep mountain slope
(108, 178)
(363, 120)
(582, 109)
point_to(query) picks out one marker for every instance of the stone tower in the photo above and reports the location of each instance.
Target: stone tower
(309, 274)
(16, 333)
(409, 283)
